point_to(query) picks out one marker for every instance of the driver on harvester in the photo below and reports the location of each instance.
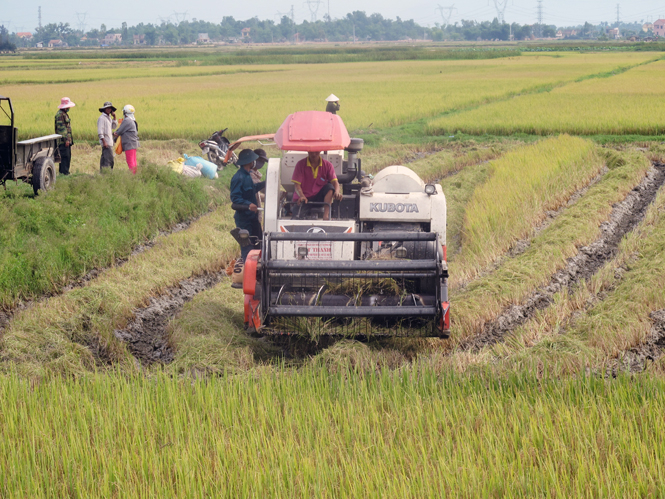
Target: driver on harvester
(315, 180)
(244, 202)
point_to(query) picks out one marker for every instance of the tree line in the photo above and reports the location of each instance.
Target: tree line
(355, 26)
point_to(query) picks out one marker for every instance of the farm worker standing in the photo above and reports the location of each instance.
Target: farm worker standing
(105, 127)
(257, 176)
(245, 204)
(333, 104)
(315, 180)
(63, 127)
(128, 131)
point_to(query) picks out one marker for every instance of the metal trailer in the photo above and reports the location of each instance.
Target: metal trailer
(32, 161)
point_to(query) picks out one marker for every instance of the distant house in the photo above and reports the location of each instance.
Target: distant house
(659, 27)
(24, 35)
(613, 33)
(245, 32)
(646, 27)
(111, 38)
(139, 39)
(39, 45)
(203, 38)
(56, 43)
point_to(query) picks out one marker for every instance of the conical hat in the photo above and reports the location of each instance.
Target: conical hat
(332, 98)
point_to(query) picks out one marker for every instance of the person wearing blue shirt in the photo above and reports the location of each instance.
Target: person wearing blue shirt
(244, 199)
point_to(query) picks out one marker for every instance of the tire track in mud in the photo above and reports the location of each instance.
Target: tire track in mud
(651, 349)
(146, 335)
(623, 219)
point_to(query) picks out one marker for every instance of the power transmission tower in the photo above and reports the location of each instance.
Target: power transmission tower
(81, 18)
(313, 8)
(39, 10)
(180, 16)
(618, 15)
(446, 18)
(500, 6)
(539, 33)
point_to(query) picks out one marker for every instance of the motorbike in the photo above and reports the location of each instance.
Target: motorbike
(216, 148)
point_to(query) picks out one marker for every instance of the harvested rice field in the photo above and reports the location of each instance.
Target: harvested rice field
(125, 366)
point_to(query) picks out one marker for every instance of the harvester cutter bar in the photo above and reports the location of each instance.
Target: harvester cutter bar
(370, 265)
(313, 311)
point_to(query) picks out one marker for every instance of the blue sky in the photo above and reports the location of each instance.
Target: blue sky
(22, 16)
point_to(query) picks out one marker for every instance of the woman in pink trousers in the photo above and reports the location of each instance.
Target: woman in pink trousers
(128, 131)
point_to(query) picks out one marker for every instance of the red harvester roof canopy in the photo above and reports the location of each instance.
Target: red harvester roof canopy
(312, 131)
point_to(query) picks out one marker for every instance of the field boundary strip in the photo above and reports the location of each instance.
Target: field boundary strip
(73, 333)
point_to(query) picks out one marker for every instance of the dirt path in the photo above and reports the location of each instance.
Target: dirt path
(624, 218)
(146, 335)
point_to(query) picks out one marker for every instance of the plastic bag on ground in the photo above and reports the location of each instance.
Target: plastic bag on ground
(176, 165)
(190, 171)
(208, 169)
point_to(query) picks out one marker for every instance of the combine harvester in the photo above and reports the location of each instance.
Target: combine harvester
(377, 267)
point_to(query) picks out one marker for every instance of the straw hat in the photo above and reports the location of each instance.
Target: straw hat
(332, 98)
(65, 103)
(106, 105)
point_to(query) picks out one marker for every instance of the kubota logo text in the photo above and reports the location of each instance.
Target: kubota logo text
(393, 207)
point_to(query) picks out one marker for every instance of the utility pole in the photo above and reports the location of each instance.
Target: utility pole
(618, 15)
(39, 10)
(539, 34)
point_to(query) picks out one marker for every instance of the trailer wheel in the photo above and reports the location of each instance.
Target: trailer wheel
(43, 175)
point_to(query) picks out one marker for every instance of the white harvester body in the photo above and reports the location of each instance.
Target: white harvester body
(377, 265)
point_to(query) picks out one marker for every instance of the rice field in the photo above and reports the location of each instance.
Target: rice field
(631, 102)
(547, 386)
(255, 99)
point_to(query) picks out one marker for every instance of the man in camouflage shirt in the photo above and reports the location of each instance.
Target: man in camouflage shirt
(64, 128)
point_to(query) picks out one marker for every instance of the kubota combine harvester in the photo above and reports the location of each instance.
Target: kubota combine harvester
(376, 267)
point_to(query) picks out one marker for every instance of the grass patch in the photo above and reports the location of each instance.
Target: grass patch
(88, 222)
(314, 433)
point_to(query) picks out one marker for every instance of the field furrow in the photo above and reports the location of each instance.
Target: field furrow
(623, 219)
(514, 282)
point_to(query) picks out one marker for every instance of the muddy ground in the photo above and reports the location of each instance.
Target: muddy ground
(146, 336)
(653, 348)
(623, 219)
